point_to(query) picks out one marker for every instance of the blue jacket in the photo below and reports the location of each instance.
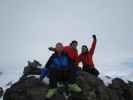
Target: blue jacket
(59, 62)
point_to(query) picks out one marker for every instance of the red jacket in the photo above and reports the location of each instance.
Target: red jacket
(72, 53)
(87, 58)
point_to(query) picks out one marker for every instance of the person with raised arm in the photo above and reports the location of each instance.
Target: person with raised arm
(86, 57)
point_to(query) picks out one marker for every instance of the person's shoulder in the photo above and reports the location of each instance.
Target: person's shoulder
(66, 47)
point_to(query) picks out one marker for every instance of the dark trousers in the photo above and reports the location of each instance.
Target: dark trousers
(90, 69)
(64, 76)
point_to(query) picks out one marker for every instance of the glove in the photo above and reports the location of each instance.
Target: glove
(44, 73)
(94, 36)
(51, 49)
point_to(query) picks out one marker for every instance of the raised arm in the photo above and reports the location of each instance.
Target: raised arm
(93, 46)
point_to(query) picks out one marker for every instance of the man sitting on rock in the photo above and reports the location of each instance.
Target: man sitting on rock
(60, 69)
(86, 57)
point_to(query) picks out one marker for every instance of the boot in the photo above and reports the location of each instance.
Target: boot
(74, 88)
(51, 93)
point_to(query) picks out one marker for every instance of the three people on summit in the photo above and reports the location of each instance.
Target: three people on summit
(63, 64)
(85, 57)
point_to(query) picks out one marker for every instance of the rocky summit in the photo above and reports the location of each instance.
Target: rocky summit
(32, 88)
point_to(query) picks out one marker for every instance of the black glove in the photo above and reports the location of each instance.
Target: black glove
(94, 36)
(51, 48)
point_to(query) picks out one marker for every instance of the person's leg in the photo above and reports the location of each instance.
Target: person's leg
(87, 68)
(69, 76)
(92, 71)
(71, 79)
(52, 84)
(95, 72)
(84, 68)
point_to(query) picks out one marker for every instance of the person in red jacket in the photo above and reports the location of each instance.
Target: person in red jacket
(86, 57)
(70, 50)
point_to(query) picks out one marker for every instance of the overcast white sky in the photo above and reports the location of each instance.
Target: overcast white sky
(29, 27)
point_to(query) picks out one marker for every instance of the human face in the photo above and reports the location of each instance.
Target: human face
(74, 45)
(84, 49)
(59, 48)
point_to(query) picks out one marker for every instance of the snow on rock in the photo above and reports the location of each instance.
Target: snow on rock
(107, 80)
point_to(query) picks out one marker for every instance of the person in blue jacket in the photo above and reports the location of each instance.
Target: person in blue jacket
(59, 68)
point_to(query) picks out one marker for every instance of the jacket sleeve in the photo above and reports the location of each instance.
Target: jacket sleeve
(49, 61)
(93, 46)
(52, 49)
(44, 72)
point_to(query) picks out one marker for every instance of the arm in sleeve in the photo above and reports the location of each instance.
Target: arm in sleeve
(79, 59)
(52, 49)
(44, 71)
(93, 46)
(49, 61)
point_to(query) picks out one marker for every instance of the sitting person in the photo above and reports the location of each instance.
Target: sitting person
(60, 69)
(86, 57)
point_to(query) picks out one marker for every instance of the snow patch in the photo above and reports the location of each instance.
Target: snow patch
(107, 80)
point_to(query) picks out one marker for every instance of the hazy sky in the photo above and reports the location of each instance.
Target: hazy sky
(29, 27)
